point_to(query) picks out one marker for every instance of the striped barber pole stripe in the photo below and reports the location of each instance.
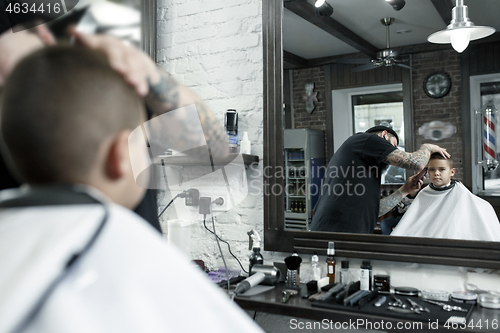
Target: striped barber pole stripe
(489, 137)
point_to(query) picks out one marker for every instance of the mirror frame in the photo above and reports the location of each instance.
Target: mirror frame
(376, 247)
(148, 28)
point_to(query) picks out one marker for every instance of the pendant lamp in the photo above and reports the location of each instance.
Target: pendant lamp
(461, 30)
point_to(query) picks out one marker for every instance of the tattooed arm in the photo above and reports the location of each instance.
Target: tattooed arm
(162, 93)
(167, 94)
(389, 202)
(417, 160)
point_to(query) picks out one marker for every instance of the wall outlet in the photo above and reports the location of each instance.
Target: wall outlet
(225, 206)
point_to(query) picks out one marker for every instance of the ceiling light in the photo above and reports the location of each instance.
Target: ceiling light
(396, 4)
(461, 30)
(319, 3)
(323, 8)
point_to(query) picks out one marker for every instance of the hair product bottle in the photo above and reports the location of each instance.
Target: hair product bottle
(345, 273)
(330, 262)
(365, 277)
(256, 257)
(315, 268)
(232, 129)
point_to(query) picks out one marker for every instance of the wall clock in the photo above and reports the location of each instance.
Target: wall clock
(437, 84)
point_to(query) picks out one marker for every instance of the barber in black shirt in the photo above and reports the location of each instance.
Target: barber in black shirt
(349, 200)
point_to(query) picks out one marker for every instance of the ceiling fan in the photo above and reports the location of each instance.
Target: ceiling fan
(386, 57)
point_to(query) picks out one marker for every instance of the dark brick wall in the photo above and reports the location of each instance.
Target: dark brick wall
(425, 109)
(302, 119)
(446, 109)
(317, 119)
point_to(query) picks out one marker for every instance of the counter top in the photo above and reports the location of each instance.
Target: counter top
(481, 319)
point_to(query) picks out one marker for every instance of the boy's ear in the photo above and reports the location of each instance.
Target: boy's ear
(452, 172)
(117, 161)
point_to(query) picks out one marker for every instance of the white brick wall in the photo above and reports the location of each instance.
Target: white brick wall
(215, 48)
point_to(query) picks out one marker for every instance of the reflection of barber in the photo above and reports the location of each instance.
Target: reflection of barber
(349, 200)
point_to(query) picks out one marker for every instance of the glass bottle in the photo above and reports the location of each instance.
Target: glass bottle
(315, 267)
(345, 273)
(330, 262)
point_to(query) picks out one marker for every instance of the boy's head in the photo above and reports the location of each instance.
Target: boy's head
(65, 119)
(440, 170)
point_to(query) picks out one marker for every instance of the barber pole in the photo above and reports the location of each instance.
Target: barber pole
(489, 136)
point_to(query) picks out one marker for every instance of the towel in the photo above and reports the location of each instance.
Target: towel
(453, 213)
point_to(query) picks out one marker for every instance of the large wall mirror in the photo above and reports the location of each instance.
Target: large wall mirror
(377, 247)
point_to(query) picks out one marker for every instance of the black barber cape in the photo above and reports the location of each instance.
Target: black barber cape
(350, 195)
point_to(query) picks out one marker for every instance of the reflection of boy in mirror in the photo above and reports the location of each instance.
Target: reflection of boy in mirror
(440, 170)
(446, 209)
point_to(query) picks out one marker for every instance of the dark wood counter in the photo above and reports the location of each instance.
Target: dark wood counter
(270, 302)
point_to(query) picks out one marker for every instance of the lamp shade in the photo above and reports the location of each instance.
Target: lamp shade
(475, 32)
(461, 30)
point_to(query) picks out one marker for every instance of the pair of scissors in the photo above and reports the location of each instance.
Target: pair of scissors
(446, 307)
(397, 303)
(417, 306)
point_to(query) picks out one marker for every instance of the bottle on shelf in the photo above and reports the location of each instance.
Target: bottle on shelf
(232, 129)
(245, 145)
(256, 257)
(365, 277)
(301, 188)
(315, 267)
(345, 273)
(330, 262)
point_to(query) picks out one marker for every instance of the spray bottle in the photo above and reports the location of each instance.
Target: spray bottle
(256, 257)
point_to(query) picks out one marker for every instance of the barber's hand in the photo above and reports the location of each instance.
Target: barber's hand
(136, 67)
(409, 189)
(437, 149)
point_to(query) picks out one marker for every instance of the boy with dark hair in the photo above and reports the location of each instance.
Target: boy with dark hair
(446, 209)
(72, 257)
